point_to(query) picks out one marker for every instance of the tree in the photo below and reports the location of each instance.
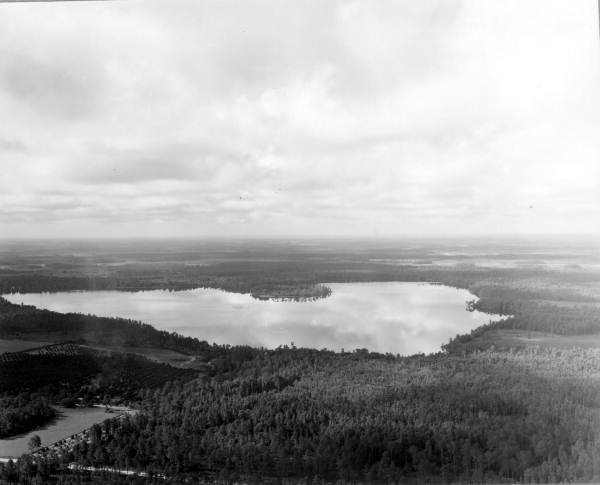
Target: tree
(34, 442)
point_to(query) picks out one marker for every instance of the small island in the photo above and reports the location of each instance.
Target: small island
(300, 292)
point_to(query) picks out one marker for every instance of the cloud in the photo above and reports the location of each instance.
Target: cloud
(222, 118)
(107, 164)
(12, 145)
(49, 88)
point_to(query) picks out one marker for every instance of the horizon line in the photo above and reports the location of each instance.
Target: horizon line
(305, 236)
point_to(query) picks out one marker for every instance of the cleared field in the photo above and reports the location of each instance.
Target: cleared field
(518, 338)
(10, 345)
(162, 356)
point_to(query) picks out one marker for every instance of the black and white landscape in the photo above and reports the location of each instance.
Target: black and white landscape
(346, 242)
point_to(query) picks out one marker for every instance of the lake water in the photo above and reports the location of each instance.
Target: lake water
(70, 422)
(404, 318)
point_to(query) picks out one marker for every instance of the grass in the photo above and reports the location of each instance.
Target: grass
(505, 338)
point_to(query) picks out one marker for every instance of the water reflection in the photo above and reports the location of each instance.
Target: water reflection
(395, 317)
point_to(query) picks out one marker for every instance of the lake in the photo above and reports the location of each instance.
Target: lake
(70, 422)
(397, 317)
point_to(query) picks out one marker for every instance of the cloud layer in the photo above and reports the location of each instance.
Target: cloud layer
(299, 118)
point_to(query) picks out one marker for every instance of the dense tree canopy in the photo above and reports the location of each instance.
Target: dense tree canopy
(23, 412)
(527, 416)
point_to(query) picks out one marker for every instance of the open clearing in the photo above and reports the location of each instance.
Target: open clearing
(520, 338)
(163, 356)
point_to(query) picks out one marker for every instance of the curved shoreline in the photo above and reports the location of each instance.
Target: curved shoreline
(396, 317)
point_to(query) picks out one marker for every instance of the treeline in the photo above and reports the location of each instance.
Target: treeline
(553, 317)
(39, 283)
(527, 416)
(537, 299)
(23, 412)
(253, 277)
(299, 292)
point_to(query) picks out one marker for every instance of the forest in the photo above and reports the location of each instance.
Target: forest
(68, 371)
(66, 374)
(476, 412)
(23, 412)
(534, 296)
(527, 416)
(495, 416)
(376, 419)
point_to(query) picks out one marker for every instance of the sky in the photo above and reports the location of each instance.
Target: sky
(194, 118)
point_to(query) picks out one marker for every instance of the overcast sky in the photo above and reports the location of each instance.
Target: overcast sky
(249, 118)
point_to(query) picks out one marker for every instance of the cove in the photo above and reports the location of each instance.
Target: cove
(397, 317)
